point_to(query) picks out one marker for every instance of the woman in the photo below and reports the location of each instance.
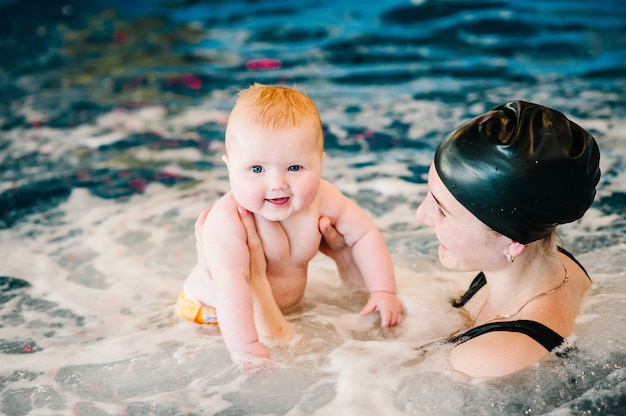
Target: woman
(498, 187)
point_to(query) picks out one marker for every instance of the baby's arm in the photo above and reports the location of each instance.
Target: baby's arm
(223, 247)
(369, 251)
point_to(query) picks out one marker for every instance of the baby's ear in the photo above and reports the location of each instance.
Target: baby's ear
(225, 159)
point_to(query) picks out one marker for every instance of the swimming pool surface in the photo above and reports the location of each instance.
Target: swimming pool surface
(112, 118)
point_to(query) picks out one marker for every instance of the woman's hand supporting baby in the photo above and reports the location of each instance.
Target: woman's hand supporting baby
(268, 317)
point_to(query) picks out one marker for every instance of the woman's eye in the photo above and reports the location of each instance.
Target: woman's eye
(294, 168)
(256, 169)
(440, 211)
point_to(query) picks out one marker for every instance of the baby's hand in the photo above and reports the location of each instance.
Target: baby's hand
(387, 304)
(250, 363)
(251, 356)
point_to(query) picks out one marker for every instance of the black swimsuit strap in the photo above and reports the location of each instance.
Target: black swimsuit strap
(539, 332)
(477, 284)
(571, 256)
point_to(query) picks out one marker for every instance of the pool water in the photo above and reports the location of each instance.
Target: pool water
(111, 134)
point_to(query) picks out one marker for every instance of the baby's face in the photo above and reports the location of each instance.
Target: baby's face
(275, 172)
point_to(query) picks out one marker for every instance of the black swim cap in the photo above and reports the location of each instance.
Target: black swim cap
(521, 169)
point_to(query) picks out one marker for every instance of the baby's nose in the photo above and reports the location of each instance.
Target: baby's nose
(278, 182)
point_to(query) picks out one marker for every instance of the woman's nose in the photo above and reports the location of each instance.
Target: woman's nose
(422, 213)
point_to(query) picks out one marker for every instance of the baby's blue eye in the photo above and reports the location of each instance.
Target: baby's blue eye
(294, 168)
(256, 169)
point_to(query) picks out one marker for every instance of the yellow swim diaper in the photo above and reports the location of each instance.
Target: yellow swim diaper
(195, 311)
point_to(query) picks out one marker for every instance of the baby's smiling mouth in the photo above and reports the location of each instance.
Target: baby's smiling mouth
(278, 201)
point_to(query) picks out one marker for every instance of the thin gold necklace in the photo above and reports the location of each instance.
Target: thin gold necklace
(534, 298)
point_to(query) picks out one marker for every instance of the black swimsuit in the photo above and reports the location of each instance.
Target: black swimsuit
(539, 332)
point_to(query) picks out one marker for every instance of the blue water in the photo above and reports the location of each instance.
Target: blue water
(111, 130)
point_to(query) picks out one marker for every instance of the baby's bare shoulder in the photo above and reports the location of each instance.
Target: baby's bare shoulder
(223, 217)
(331, 199)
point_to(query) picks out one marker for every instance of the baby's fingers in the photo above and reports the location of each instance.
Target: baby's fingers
(394, 318)
(390, 314)
(369, 307)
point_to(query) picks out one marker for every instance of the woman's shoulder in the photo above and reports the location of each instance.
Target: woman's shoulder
(496, 354)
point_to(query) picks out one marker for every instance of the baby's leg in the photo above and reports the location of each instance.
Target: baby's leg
(200, 286)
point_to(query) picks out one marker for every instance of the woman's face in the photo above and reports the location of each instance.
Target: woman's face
(465, 243)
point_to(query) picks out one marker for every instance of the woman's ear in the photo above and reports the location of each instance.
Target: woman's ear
(515, 249)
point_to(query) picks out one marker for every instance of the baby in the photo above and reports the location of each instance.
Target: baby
(274, 151)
